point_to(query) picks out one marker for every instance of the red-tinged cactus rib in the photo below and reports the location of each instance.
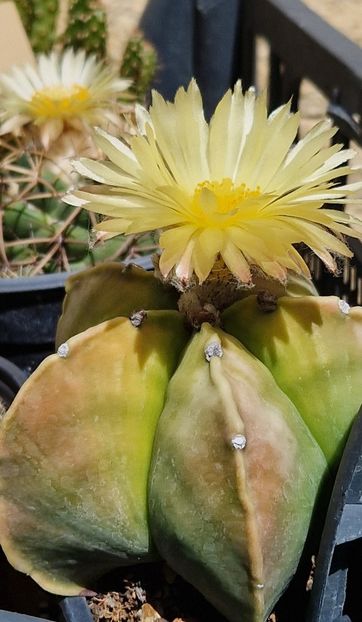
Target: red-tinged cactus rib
(108, 291)
(234, 477)
(75, 448)
(313, 348)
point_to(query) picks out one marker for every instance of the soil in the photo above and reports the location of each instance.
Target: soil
(154, 593)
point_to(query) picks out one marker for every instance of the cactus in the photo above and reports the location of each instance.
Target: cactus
(117, 530)
(40, 233)
(26, 12)
(193, 413)
(228, 528)
(86, 28)
(139, 64)
(43, 28)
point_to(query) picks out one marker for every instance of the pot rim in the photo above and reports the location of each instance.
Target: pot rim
(42, 282)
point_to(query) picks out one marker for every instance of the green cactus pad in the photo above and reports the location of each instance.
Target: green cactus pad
(109, 291)
(314, 350)
(75, 448)
(232, 520)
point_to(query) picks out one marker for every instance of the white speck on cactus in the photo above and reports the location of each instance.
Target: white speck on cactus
(238, 441)
(259, 586)
(344, 307)
(213, 349)
(138, 318)
(63, 351)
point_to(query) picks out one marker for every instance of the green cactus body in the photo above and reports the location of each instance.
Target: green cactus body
(313, 349)
(139, 291)
(139, 64)
(73, 433)
(39, 222)
(231, 454)
(43, 27)
(87, 27)
(224, 516)
(22, 219)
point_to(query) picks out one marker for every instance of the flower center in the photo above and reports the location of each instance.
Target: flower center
(218, 203)
(60, 102)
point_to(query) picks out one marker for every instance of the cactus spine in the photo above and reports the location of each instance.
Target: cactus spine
(40, 233)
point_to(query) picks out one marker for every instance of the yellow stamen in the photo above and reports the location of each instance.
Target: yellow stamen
(217, 203)
(59, 102)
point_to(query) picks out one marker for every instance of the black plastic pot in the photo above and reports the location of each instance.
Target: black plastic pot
(11, 379)
(29, 311)
(336, 594)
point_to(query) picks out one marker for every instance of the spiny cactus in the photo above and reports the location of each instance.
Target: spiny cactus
(87, 27)
(193, 416)
(39, 232)
(43, 25)
(26, 12)
(139, 64)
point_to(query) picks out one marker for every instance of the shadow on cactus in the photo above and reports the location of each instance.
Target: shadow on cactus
(195, 415)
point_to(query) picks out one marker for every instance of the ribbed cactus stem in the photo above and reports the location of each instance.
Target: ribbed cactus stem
(86, 27)
(139, 64)
(41, 232)
(43, 29)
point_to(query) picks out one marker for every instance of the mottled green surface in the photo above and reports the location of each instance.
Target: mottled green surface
(75, 448)
(231, 521)
(78, 494)
(107, 291)
(314, 352)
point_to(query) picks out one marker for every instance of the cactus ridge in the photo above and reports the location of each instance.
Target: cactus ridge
(40, 232)
(126, 289)
(66, 523)
(325, 345)
(231, 529)
(139, 64)
(87, 27)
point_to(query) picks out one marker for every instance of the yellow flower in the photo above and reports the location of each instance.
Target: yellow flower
(237, 188)
(68, 92)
